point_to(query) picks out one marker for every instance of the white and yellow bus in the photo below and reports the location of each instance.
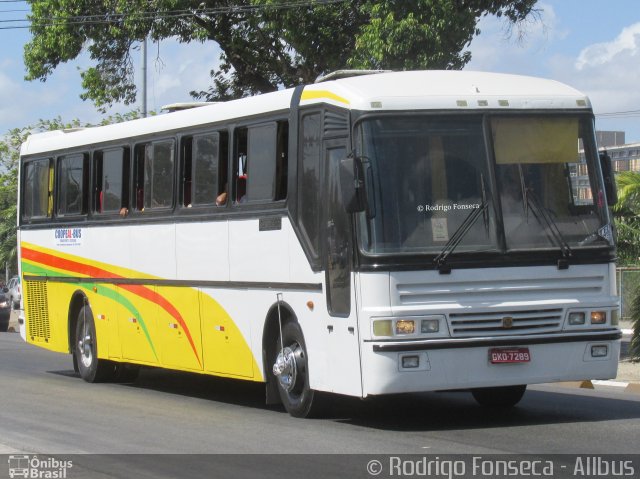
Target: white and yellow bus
(365, 235)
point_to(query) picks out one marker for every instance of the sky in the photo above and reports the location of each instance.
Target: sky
(592, 45)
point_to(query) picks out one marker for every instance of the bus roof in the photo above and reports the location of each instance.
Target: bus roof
(412, 90)
(448, 89)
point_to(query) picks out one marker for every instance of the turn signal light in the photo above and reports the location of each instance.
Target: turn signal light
(598, 317)
(405, 326)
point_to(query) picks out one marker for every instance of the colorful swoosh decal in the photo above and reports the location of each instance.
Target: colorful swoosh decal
(103, 291)
(95, 272)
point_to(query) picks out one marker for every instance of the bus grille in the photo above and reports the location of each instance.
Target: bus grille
(504, 323)
(37, 310)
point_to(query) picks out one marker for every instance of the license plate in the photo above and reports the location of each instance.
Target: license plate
(509, 355)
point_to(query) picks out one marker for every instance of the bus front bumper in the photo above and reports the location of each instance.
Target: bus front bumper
(446, 364)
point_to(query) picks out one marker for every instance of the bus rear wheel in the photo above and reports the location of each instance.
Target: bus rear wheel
(91, 368)
(499, 397)
(291, 371)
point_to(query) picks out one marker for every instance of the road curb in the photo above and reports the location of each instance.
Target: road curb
(623, 386)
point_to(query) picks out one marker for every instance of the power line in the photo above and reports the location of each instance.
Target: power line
(108, 18)
(619, 114)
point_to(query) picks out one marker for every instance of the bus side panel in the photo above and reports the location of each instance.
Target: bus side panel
(226, 334)
(178, 326)
(202, 251)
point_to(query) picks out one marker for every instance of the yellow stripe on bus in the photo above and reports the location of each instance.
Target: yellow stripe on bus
(322, 95)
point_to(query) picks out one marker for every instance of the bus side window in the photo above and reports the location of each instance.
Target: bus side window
(111, 180)
(204, 168)
(240, 165)
(72, 191)
(186, 169)
(37, 190)
(282, 160)
(154, 174)
(309, 179)
(260, 165)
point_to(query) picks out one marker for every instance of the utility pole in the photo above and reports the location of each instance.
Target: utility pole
(144, 78)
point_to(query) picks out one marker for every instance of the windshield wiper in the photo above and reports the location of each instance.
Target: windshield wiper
(540, 212)
(457, 237)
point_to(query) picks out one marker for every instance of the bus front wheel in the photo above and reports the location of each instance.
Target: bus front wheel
(291, 371)
(499, 397)
(91, 368)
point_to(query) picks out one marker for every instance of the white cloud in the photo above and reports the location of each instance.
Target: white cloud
(606, 71)
(175, 69)
(627, 44)
(499, 49)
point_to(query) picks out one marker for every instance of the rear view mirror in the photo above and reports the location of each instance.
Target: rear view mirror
(609, 181)
(352, 184)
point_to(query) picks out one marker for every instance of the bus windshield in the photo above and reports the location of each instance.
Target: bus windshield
(429, 183)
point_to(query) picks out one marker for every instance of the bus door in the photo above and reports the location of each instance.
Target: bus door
(343, 347)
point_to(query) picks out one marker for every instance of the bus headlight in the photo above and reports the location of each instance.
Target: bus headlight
(383, 327)
(429, 326)
(416, 326)
(405, 326)
(615, 317)
(598, 317)
(576, 318)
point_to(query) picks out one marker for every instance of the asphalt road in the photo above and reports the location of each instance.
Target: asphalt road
(46, 409)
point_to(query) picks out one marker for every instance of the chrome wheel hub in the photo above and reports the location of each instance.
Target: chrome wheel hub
(84, 346)
(286, 368)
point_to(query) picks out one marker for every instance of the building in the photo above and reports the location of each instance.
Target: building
(624, 157)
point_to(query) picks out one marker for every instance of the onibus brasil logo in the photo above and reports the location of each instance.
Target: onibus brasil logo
(36, 468)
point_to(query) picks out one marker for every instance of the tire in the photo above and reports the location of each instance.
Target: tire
(4, 327)
(504, 397)
(91, 369)
(293, 381)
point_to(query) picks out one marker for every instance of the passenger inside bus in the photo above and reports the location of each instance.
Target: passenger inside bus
(241, 179)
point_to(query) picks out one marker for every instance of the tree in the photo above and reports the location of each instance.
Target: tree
(9, 161)
(627, 212)
(627, 218)
(634, 345)
(265, 44)
(9, 157)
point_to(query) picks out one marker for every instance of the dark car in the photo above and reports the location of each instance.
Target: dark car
(5, 312)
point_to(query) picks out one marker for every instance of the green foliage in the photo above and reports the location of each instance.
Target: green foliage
(627, 218)
(634, 346)
(9, 161)
(265, 44)
(9, 157)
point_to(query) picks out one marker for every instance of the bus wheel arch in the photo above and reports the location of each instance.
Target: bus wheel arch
(286, 364)
(83, 342)
(78, 300)
(270, 335)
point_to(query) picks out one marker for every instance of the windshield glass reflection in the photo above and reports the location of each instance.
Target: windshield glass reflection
(537, 170)
(427, 175)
